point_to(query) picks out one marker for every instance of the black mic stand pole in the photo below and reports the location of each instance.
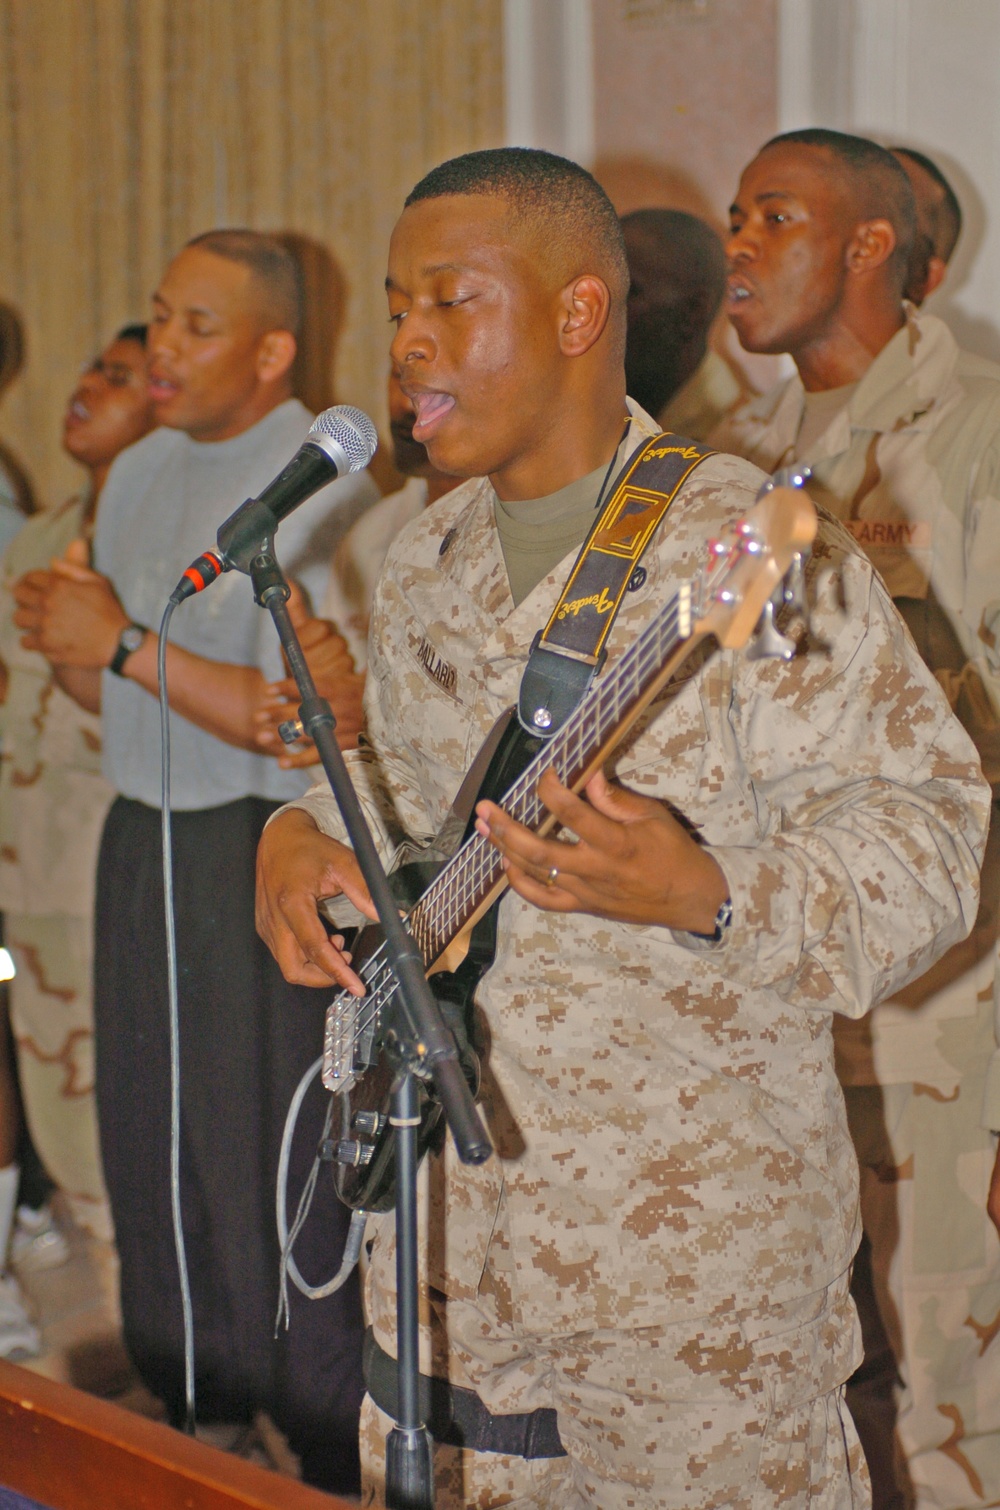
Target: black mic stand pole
(428, 1048)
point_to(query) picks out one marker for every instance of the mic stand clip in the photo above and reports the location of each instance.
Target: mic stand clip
(428, 1048)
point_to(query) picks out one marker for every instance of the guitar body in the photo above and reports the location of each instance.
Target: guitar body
(364, 1172)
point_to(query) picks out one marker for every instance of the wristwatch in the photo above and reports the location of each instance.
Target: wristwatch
(129, 641)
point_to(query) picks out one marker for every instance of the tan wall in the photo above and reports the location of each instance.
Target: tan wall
(685, 92)
(127, 126)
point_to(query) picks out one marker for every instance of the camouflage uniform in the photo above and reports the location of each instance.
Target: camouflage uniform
(912, 467)
(663, 1238)
(710, 394)
(53, 802)
(358, 559)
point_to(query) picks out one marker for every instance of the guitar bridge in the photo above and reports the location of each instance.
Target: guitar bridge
(338, 1042)
(348, 1040)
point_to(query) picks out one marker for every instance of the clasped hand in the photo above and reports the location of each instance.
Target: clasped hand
(332, 668)
(69, 613)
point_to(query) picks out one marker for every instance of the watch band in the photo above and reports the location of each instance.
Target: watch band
(129, 641)
(723, 918)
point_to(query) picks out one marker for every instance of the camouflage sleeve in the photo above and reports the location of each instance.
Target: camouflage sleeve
(366, 776)
(872, 810)
(974, 689)
(991, 1094)
(387, 783)
(968, 695)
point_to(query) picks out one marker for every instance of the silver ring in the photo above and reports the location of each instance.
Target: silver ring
(552, 877)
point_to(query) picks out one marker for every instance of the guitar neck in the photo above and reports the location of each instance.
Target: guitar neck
(474, 876)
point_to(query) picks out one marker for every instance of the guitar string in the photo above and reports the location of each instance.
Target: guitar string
(477, 859)
(478, 864)
(420, 932)
(478, 856)
(485, 866)
(524, 803)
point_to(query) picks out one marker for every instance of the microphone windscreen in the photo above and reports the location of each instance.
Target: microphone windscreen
(351, 430)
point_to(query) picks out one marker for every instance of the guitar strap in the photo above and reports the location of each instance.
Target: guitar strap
(571, 650)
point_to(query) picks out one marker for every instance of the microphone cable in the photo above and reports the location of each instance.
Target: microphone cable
(174, 1017)
(286, 1237)
(355, 1232)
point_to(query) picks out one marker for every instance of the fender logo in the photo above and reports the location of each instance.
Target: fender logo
(689, 453)
(440, 670)
(598, 601)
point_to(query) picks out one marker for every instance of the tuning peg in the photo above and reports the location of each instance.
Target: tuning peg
(792, 476)
(793, 591)
(769, 643)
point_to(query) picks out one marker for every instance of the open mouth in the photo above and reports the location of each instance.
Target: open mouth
(161, 389)
(77, 413)
(737, 293)
(432, 409)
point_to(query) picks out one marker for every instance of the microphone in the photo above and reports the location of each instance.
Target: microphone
(340, 440)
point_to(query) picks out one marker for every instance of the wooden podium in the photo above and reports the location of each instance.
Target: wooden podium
(69, 1451)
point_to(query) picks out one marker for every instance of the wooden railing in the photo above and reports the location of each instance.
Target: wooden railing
(69, 1451)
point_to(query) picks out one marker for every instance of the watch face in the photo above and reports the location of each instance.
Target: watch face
(132, 637)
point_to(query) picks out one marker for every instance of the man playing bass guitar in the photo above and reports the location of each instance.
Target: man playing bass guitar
(646, 1289)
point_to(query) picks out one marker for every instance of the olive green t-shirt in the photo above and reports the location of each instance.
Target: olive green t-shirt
(818, 413)
(536, 533)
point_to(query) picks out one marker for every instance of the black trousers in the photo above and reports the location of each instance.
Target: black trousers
(246, 1039)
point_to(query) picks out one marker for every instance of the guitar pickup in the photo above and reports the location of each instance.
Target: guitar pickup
(339, 1042)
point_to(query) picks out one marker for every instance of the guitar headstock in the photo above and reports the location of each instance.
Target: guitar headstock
(754, 567)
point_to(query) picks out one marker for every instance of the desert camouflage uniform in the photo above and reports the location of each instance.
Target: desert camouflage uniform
(913, 469)
(660, 1247)
(53, 802)
(710, 394)
(357, 563)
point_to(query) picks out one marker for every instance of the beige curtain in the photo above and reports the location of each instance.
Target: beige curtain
(127, 126)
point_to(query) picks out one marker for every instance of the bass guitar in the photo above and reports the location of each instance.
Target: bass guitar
(753, 570)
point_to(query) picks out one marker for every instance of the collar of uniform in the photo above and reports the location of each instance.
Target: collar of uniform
(907, 379)
(642, 426)
(477, 541)
(470, 552)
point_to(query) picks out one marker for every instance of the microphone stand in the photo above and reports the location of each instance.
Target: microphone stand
(427, 1046)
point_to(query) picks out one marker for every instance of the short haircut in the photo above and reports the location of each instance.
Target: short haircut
(946, 216)
(275, 270)
(560, 202)
(877, 183)
(135, 333)
(696, 248)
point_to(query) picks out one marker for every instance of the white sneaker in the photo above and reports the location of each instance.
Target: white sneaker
(37, 1242)
(18, 1337)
